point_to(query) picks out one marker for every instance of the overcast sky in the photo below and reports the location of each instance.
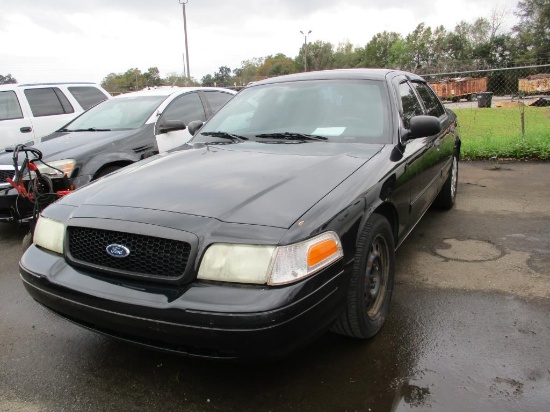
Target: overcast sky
(85, 40)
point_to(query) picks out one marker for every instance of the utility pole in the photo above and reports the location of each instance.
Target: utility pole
(186, 57)
(305, 48)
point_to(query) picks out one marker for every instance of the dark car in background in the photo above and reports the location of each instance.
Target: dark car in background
(278, 221)
(111, 135)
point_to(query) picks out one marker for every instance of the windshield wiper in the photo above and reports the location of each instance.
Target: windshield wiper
(89, 129)
(225, 135)
(290, 136)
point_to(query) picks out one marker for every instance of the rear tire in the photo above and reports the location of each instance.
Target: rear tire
(371, 283)
(447, 197)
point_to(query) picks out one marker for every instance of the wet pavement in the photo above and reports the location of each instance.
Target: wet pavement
(468, 329)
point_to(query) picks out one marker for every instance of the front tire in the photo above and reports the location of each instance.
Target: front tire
(371, 283)
(27, 241)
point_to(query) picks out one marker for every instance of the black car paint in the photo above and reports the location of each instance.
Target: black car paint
(220, 320)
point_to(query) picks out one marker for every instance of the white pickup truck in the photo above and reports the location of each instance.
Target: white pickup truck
(29, 112)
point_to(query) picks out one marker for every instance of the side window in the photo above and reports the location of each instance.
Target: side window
(431, 101)
(48, 102)
(187, 108)
(9, 106)
(87, 96)
(410, 103)
(217, 99)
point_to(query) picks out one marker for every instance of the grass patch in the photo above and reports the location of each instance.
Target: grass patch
(496, 133)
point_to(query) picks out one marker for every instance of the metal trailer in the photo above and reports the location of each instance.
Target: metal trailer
(460, 88)
(535, 84)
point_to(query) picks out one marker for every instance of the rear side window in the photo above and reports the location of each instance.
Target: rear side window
(431, 102)
(186, 108)
(48, 101)
(217, 99)
(9, 106)
(87, 96)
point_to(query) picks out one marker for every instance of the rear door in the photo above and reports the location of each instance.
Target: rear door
(15, 126)
(50, 109)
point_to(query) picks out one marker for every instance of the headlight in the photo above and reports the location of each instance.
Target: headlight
(236, 263)
(66, 166)
(269, 264)
(49, 234)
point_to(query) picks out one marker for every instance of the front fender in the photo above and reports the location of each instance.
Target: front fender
(97, 162)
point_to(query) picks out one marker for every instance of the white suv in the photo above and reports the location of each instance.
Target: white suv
(29, 112)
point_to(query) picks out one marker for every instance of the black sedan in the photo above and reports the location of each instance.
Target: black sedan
(278, 221)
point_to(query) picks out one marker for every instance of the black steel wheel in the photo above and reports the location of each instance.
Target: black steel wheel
(371, 283)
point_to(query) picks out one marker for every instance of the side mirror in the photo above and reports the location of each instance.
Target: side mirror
(422, 126)
(171, 126)
(194, 126)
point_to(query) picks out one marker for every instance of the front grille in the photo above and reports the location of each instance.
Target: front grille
(4, 174)
(153, 257)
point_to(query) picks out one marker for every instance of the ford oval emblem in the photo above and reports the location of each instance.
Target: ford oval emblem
(117, 251)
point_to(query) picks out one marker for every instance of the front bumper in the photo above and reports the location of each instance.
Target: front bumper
(13, 207)
(199, 319)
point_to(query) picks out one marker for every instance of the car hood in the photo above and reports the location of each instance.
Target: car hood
(249, 183)
(69, 145)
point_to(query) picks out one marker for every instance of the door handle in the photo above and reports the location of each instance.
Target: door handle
(25, 130)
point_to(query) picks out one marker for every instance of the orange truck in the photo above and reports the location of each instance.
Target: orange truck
(460, 88)
(535, 84)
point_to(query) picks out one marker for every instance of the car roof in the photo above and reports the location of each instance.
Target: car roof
(13, 86)
(168, 91)
(370, 74)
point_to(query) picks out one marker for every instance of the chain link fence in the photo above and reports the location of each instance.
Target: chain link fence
(502, 112)
(512, 84)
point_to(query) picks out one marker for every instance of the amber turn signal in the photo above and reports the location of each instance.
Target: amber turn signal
(321, 251)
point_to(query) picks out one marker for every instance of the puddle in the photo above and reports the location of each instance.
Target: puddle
(468, 250)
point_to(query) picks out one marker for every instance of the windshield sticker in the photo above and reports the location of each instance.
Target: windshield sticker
(329, 131)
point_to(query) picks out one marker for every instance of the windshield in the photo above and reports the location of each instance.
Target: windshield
(120, 113)
(313, 110)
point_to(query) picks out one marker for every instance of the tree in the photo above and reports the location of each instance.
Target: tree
(378, 50)
(152, 77)
(223, 76)
(111, 83)
(377, 53)
(346, 56)
(207, 80)
(459, 46)
(276, 66)
(7, 79)
(419, 46)
(248, 72)
(533, 30)
(320, 56)
(179, 80)
(400, 55)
